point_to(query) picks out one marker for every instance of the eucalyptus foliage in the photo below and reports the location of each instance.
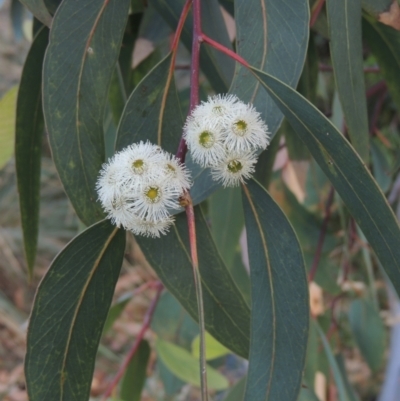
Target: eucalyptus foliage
(329, 94)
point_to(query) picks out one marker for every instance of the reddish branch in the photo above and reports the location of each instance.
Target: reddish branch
(315, 11)
(322, 235)
(135, 346)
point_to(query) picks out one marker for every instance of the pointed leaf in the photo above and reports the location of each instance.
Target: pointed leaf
(345, 170)
(84, 46)
(39, 10)
(69, 312)
(135, 375)
(344, 18)
(226, 312)
(28, 143)
(149, 115)
(384, 43)
(186, 367)
(280, 305)
(369, 332)
(271, 35)
(214, 349)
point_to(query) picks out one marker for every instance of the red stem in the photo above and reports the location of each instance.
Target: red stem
(135, 346)
(316, 11)
(328, 68)
(225, 50)
(321, 237)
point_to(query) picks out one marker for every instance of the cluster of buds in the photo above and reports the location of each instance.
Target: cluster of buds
(225, 134)
(140, 186)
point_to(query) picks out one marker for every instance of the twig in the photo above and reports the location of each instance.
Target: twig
(328, 68)
(199, 292)
(321, 237)
(315, 11)
(135, 346)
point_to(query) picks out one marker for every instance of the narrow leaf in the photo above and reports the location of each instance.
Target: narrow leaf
(345, 170)
(84, 46)
(369, 332)
(271, 35)
(150, 113)
(344, 17)
(39, 10)
(186, 367)
(376, 7)
(337, 374)
(69, 312)
(28, 144)
(135, 375)
(280, 305)
(384, 43)
(226, 312)
(214, 349)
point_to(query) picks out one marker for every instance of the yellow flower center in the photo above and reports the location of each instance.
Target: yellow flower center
(138, 166)
(240, 127)
(153, 194)
(206, 139)
(234, 166)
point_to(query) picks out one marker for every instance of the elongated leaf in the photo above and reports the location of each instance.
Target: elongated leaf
(223, 205)
(84, 46)
(148, 116)
(216, 66)
(384, 42)
(376, 7)
(28, 144)
(214, 349)
(280, 305)
(272, 35)
(69, 312)
(186, 367)
(345, 170)
(369, 332)
(7, 125)
(344, 17)
(39, 10)
(343, 393)
(236, 393)
(135, 375)
(226, 312)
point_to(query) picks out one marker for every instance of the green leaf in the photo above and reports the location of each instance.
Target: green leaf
(217, 67)
(236, 393)
(28, 144)
(344, 18)
(214, 349)
(135, 374)
(343, 393)
(307, 394)
(186, 367)
(115, 311)
(69, 312)
(39, 10)
(376, 7)
(227, 221)
(226, 312)
(271, 35)
(350, 390)
(345, 170)
(84, 46)
(7, 125)
(381, 164)
(280, 305)
(150, 116)
(384, 43)
(369, 332)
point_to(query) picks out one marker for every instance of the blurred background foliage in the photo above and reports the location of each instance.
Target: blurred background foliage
(351, 297)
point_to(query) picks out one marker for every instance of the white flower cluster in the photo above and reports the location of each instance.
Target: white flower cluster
(224, 134)
(138, 187)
